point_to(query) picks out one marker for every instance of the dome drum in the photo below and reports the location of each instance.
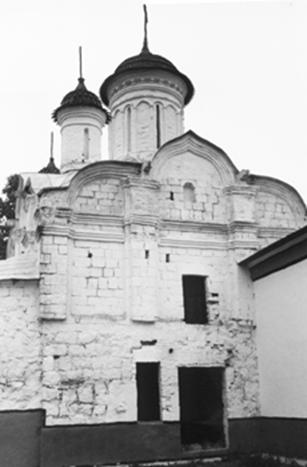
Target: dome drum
(146, 112)
(125, 88)
(146, 95)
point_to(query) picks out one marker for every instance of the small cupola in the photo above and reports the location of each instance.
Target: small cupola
(146, 95)
(81, 117)
(50, 168)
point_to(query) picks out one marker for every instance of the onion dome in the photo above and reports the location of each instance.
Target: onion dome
(80, 97)
(145, 61)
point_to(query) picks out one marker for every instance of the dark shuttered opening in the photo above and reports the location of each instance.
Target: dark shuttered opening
(201, 407)
(194, 295)
(148, 393)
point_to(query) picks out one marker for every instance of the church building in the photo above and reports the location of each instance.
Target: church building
(128, 321)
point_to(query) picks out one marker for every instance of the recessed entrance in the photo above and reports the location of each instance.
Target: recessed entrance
(201, 407)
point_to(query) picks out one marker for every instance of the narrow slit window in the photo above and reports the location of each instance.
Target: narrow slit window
(158, 126)
(86, 143)
(148, 391)
(129, 129)
(194, 298)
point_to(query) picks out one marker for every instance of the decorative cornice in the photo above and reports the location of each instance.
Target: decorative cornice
(277, 232)
(84, 234)
(132, 101)
(78, 218)
(82, 112)
(142, 219)
(23, 267)
(141, 182)
(171, 83)
(240, 189)
(193, 226)
(243, 226)
(243, 244)
(189, 243)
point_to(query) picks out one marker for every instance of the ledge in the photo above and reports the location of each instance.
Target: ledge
(23, 267)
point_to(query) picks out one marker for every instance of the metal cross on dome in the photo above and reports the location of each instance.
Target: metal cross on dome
(145, 44)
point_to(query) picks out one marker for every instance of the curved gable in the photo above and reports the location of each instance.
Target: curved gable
(97, 188)
(193, 174)
(278, 204)
(190, 144)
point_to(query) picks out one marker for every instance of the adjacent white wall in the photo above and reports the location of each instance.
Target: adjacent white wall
(281, 303)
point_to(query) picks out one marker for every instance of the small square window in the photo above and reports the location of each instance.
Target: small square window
(194, 297)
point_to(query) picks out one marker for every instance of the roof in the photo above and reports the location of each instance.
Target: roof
(80, 97)
(50, 168)
(41, 181)
(278, 255)
(145, 61)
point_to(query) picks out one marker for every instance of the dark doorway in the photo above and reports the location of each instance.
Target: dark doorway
(201, 407)
(148, 394)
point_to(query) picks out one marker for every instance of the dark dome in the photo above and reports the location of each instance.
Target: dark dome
(146, 61)
(80, 97)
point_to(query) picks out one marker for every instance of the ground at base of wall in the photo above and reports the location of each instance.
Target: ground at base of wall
(242, 461)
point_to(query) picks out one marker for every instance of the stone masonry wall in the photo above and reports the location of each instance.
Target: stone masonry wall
(125, 300)
(273, 211)
(192, 192)
(20, 351)
(112, 256)
(104, 196)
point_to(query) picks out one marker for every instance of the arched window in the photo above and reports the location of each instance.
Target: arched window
(158, 126)
(189, 193)
(129, 129)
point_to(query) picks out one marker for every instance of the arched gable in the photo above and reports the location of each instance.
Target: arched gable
(97, 188)
(189, 161)
(278, 204)
(191, 144)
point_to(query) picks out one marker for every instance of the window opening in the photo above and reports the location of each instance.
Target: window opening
(201, 407)
(158, 126)
(129, 129)
(86, 143)
(194, 299)
(171, 195)
(148, 391)
(189, 193)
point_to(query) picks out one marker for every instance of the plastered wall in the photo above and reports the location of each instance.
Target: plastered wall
(281, 341)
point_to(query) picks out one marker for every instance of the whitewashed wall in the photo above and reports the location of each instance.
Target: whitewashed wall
(281, 310)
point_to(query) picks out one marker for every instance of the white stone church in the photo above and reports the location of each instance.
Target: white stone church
(128, 327)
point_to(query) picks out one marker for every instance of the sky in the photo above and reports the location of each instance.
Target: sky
(246, 59)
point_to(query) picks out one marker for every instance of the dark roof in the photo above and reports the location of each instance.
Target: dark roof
(145, 61)
(80, 97)
(50, 168)
(278, 255)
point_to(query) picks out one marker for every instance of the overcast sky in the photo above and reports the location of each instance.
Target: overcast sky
(246, 59)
